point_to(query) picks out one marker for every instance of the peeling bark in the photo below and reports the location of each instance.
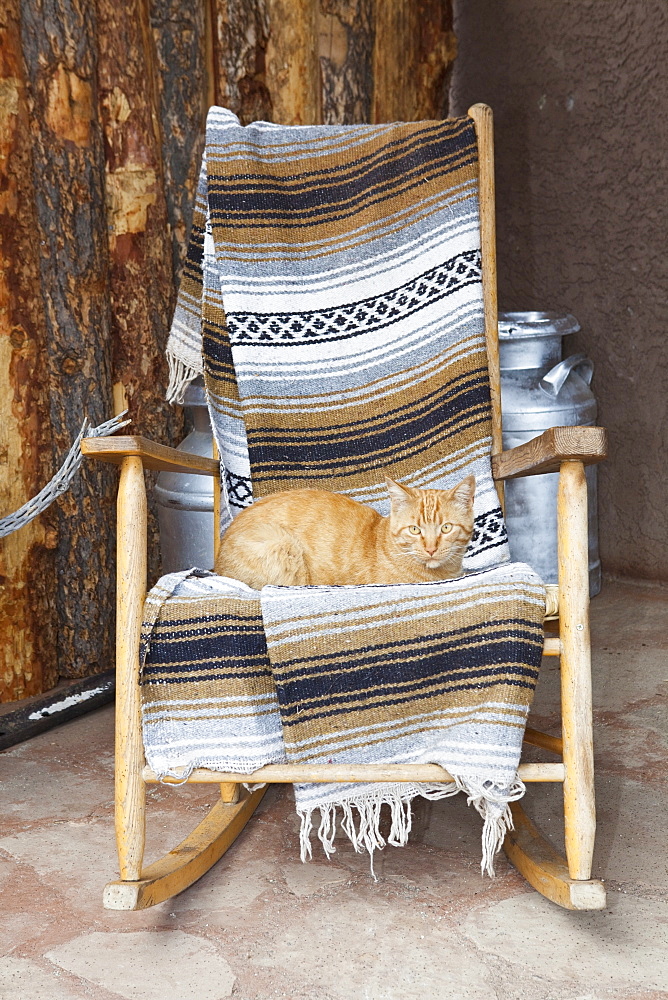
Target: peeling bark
(240, 37)
(141, 283)
(28, 653)
(292, 62)
(265, 60)
(179, 33)
(58, 39)
(415, 47)
(346, 41)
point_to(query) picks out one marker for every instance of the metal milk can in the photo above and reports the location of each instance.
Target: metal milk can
(185, 501)
(540, 390)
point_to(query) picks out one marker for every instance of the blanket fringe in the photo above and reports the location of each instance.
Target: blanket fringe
(181, 375)
(493, 804)
(358, 815)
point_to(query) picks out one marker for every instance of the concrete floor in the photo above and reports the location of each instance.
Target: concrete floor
(262, 925)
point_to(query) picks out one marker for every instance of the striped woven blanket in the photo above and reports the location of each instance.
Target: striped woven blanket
(332, 300)
(421, 673)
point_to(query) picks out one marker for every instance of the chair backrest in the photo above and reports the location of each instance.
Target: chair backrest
(484, 127)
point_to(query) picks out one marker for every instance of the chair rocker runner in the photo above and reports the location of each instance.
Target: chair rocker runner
(566, 881)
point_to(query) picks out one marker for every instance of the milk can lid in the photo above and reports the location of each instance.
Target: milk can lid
(514, 325)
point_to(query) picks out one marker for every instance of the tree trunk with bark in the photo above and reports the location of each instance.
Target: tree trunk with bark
(346, 44)
(180, 37)
(28, 653)
(415, 47)
(265, 60)
(141, 284)
(59, 47)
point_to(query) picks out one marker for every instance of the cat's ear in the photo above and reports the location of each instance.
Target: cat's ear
(399, 495)
(464, 493)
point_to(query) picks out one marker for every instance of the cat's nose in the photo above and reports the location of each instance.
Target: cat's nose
(429, 551)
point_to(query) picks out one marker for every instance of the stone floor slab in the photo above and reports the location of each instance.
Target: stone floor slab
(622, 947)
(366, 947)
(22, 979)
(169, 965)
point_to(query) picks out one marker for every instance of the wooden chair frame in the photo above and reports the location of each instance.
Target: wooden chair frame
(566, 881)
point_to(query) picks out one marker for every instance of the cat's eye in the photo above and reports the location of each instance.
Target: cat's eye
(446, 528)
(413, 528)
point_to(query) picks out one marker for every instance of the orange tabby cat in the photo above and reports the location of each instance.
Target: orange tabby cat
(315, 537)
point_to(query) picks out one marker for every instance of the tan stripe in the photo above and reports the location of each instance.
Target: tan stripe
(338, 739)
(324, 730)
(323, 244)
(504, 593)
(380, 145)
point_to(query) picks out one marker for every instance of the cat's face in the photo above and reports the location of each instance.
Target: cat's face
(432, 526)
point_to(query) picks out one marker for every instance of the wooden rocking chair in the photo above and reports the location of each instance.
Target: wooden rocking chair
(566, 881)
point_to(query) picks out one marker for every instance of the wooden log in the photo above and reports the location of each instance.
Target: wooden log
(179, 32)
(346, 40)
(141, 282)
(292, 62)
(28, 650)
(265, 60)
(59, 49)
(239, 38)
(414, 49)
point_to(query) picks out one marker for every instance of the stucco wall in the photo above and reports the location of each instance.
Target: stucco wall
(580, 94)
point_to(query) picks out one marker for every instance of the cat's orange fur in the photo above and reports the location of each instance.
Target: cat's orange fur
(315, 537)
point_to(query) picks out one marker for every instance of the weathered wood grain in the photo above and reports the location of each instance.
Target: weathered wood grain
(346, 32)
(179, 33)
(546, 452)
(141, 282)
(28, 652)
(59, 49)
(157, 457)
(413, 54)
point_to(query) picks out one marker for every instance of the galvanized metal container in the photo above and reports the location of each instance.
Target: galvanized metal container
(540, 390)
(185, 502)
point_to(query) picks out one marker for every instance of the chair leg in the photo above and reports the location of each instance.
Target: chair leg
(138, 887)
(131, 590)
(567, 881)
(576, 696)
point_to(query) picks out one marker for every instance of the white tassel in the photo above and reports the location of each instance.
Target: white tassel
(180, 377)
(361, 812)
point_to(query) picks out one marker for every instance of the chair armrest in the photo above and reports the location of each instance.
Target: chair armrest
(153, 455)
(546, 452)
